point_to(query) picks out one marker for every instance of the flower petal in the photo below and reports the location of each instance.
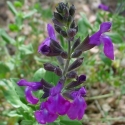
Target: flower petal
(63, 105)
(51, 31)
(82, 111)
(33, 85)
(108, 46)
(82, 91)
(39, 115)
(57, 104)
(103, 7)
(43, 116)
(44, 47)
(95, 38)
(105, 27)
(57, 89)
(75, 108)
(29, 96)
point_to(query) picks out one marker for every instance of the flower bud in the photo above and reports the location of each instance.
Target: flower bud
(46, 84)
(85, 45)
(64, 55)
(58, 71)
(72, 24)
(57, 28)
(76, 53)
(72, 10)
(71, 74)
(58, 17)
(79, 81)
(76, 28)
(66, 12)
(56, 44)
(63, 33)
(55, 47)
(49, 67)
(75, 64)
(70, 19)
(60, 7)
(56, 22)
(76, 43)
(71, 32)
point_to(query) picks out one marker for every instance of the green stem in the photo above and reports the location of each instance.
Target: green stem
(68, 60)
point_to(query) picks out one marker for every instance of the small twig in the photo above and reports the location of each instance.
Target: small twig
(99, 97)
(118, 119)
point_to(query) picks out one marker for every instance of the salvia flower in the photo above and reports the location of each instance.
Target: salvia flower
(99, 38)
(103, 7)
(78, 106)
(44, 47)
(30, 86)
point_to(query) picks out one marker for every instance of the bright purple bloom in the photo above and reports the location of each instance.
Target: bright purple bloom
(44, 47)
(43, 116)
(78, 106)
(30, 86)
(99, 38)
(103, 7)
(56, 103)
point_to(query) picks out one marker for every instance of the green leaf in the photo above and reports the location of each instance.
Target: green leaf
(51, 77)
(116, 38)
(18, 4)
(27, 15)
(70, 122)
(105, 59)
(26, 49)
(19, 90)
(12, 97)
(13, 27)
(4, 69)
(27, 122)
(64, 120)
(6, 37)
(14, 114)
(86, 21)
(39, 74)
(12, 8)
(122, 89)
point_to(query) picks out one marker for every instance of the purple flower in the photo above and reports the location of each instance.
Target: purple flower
(43, 116)
(99, 38)
(44, 47)
(30, 86)
(78, 106)
(56, 103)
(103, 7)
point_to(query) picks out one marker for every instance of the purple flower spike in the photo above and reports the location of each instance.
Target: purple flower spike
(43, 116)
(99, 38)
(44, 47)
(78, 106)
(103, 7)
(108, 46)
(56, 103)
(29, 96)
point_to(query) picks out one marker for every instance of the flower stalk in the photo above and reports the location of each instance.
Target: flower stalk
(65, 98)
